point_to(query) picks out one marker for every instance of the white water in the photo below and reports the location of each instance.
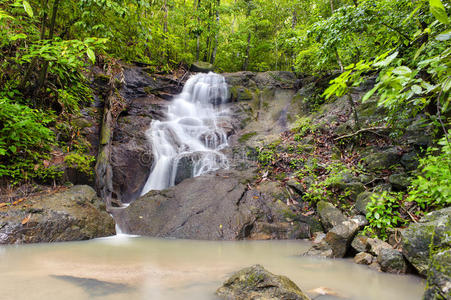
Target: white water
(190, 131)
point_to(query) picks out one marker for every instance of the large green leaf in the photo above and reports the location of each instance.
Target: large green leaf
(28, 9)
(438, 10)
(91, 55)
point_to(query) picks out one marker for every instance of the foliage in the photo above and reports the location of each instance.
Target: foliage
(383, 214)
(81, 162)
(432, 188)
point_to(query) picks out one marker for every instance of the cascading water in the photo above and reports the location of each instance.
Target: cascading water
(190, 133)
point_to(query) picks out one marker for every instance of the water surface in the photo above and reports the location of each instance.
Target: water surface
(144, 268)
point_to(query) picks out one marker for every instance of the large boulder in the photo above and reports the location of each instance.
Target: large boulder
(216, 206)
(432, 231)
(340, 237)
(330, 215)
(427, 246)
(71, 215)
(257, 283)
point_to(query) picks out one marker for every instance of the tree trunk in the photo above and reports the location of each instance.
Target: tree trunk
(213, 55)
(34, 61)
(51, 32)
(294, 22)
(331, 6)
(248, 48)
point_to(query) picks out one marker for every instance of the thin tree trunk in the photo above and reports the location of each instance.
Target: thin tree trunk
(213, 55)
(331, 6)
(51, 31)
(165, 29)
(34, 61)
(294, 22)
(248, 48)
(198, 35)
(340, 63)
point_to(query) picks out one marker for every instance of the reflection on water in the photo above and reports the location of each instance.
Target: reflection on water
(142, 268)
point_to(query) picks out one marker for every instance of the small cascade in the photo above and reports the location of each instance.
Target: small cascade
(189, 142)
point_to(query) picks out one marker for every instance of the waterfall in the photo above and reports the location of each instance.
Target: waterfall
(189, 142)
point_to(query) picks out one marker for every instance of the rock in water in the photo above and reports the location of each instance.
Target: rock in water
(257, 283)
(72, 215)
(330, 215)
(432, 232)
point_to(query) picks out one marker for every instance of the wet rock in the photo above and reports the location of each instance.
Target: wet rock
(257, 283)
(410, 161)
(362, 201)
(131, 157)
(391, 261)
(340, 237)
(72, 215)
(216, 206)
(320, 249)
(363, 258)
(296, 186)
(439, 276)
(433, 230)
(330, 215)
(400, 182)
(360, 243)
(201, 66)
(375, 266)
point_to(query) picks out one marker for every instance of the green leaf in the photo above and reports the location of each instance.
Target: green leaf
(91, 55)
(446, 84)
(438, 10)
(386, 61)
(370, 93)
(444, 36)
(13, 149)
(417, 89)
(402, 70)
(28, 9)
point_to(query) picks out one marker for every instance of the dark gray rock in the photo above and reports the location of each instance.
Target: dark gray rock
(257, 283)
(432, 230)
(410, 161)
(362, 201)
(382, 159)
(329, 214)
(211, 207)
(72, 215)
(391, 261)
(400, 182)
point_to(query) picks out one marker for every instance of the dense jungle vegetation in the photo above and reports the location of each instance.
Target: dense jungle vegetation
(48, 48)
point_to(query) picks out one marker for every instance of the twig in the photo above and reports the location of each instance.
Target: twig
(360, 131)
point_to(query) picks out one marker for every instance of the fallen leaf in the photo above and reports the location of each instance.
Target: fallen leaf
(26, 219)
(46, 163)
(3, 204)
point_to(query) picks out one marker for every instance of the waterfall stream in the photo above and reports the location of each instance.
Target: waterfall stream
(189, 142)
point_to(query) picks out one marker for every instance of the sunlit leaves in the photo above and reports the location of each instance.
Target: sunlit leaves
(28, 9)
(438, 10)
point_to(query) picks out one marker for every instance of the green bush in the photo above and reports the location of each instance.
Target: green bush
(432, 188)
(81, 162)
(24, 139)
(382, 213)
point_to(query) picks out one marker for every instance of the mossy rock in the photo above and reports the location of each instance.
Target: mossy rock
(257, 283)
(202, 66)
